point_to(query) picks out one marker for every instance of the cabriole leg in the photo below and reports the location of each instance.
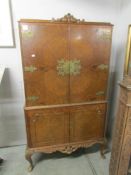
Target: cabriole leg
(28, 155)
(103, 148)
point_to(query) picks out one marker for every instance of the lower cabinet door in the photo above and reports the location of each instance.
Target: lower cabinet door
(47, 127)
(87, 122)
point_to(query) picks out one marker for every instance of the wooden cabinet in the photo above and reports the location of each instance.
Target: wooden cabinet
(65, 69)
(121, 146)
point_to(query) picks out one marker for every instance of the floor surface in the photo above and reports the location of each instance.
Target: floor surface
(81, 162)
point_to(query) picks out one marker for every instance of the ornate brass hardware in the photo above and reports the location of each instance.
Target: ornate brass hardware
(103, 66)
(33, 68)
(68, 67)
(27, 34)
(99, 112)
(32, 98)
(30, 68)
(26, 31)
(100, 93)
(104, 34)
(75, 67)
(63, 67)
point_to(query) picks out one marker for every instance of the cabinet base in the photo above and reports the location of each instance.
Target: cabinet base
(64, 148)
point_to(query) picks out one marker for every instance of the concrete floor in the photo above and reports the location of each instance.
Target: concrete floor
(81, 162)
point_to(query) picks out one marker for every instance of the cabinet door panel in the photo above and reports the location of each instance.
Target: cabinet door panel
(87, 122)
(48, 127)
(43, 46)
(90, 49)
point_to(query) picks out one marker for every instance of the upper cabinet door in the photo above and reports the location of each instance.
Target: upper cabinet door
(89, 57)
(45, 54)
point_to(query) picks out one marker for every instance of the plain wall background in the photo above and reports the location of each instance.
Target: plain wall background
(123, 21)
(12, 126)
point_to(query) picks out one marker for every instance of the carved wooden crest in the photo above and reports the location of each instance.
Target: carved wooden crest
(68, 18)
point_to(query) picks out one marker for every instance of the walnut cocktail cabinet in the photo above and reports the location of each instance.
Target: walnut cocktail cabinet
(121, 147)
(65, 69)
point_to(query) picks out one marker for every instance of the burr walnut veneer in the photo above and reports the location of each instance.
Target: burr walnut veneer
(66, 69)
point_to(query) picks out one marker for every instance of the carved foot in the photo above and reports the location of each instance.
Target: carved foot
(28, 155)
(30, 168)
(102, 149)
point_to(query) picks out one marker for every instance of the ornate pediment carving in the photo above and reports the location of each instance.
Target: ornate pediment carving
(68, 18)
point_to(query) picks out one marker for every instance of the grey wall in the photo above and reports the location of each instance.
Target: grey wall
(124, 19)
(12, 127)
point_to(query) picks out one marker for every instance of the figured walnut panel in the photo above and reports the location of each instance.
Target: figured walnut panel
(90, 45)
(43, 45)
(87, 122)
(48, 127)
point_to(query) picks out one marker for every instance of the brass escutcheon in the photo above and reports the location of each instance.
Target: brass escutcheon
(68, 67)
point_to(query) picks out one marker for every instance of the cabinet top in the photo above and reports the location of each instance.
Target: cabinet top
(66, 19)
